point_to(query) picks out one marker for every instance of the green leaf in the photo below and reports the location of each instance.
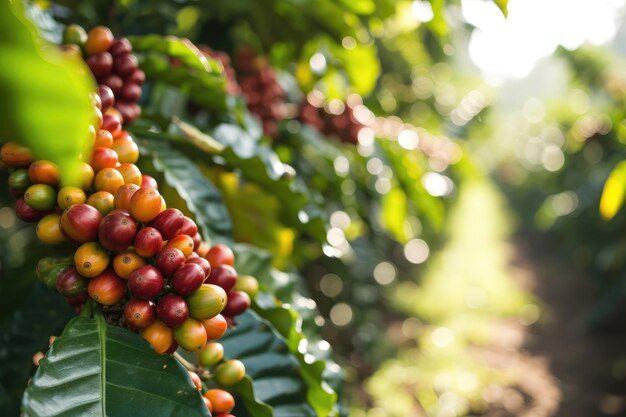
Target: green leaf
(408, 168)
(438, 24)
(273, 370)
(361, 66)
(97, 369)
(197, 76)
(182, 49)
(614, 192)
(288, 323)
(393, 213)
(45, 95)
(259, 164)
(503, 6)
(198, 193)
(360, 6)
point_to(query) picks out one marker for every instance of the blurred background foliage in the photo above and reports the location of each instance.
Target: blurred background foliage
(393, 242)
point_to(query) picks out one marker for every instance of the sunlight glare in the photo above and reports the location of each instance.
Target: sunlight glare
(504, 48)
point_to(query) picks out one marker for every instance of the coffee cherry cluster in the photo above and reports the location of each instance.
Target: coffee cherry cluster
(264, 96)
(145, 265)
(131, 250)
(342, 125)
(113, 65)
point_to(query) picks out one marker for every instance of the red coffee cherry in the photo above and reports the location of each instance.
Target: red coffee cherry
(220, 255)
(187, 279)
(169, 260)
(148, 242)
(80, 222)
(172, 310)
(139, 313)
(146, 282)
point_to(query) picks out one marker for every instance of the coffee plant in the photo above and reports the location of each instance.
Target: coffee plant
(180, 226)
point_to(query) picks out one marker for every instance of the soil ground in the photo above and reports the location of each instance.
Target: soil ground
(571, 369)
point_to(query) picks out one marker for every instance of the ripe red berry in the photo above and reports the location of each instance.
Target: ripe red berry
(28, 214)
(148, 242)
(168, 222)
(130, 92)
(120, 46)
(112, 124)
(125, 64)
(70, 283)
(100, 65)
(220, 254)
(137, 77)
(169, 260)
(238, 302)
(117, 231)
(204, 264)
(130, 111)
(197, 241)
(103, 158)
(146, 282)
(188, 227)
(187, 279)
(172, 310)
(224, 276)
(78, 300)
(80, 222)
(139, 313)
(106, 96)
(114, 82)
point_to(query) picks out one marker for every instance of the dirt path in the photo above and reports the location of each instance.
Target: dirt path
(498, 327)
(588, 367)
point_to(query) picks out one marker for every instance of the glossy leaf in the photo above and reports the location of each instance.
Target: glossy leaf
(614, 192)
(198, 193)
(259, 164)
(97, 369)
(408, 168)
(45, 95)
(287, 321)
(181, 49)
(179, 63)
(394, 213)
(274, 371)
(361, 66)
